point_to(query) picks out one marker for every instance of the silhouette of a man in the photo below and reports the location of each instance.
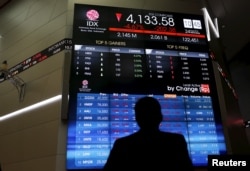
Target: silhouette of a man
(149, 148)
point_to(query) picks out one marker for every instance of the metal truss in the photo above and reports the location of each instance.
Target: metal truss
(15, 81)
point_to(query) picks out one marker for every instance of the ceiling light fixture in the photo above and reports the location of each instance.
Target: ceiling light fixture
(31, 107)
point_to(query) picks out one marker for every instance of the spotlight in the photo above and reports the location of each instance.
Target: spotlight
(247, 124)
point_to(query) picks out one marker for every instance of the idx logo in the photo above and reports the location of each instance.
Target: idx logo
(92, 23)
(92, 16)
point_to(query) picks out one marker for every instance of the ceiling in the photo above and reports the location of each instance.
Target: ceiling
(3, 3)
(234, 24)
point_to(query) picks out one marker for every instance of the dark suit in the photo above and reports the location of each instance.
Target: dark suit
(153, 150)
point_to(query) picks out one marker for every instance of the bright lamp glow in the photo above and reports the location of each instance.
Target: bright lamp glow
(31, 107)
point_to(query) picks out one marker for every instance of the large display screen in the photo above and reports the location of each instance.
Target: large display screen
(120, 55)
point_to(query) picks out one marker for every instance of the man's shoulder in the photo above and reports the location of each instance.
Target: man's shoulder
(178, 135)
(164, 136)
(128, 139)
(172, 136)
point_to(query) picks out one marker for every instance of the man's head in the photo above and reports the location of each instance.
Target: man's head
(148, 113)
